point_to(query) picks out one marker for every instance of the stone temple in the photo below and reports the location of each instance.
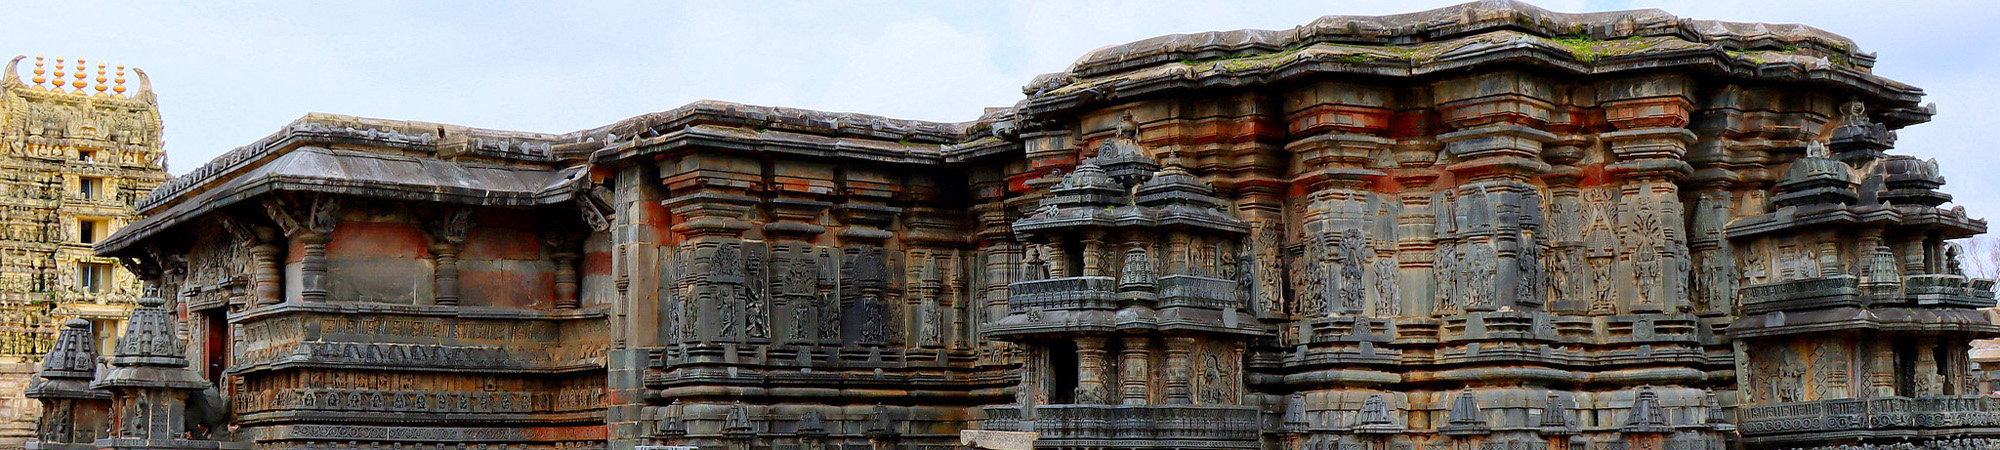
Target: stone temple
(1488, 226)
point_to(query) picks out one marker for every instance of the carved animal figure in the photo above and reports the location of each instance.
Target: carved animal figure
(208, 415)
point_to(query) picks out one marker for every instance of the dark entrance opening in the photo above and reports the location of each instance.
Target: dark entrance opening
(1062, 373)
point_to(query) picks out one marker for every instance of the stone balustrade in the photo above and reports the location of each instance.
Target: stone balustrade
(1199, 292)
(1211, 424)
(1811, 293)
(1063, 294)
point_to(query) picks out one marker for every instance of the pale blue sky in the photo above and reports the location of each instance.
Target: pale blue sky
(229, 73)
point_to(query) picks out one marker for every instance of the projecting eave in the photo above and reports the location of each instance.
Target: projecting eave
(1490, 33)
(726, 138)
(329, 130)
(732, 126)
(1897, 102)
(1462, 20)
(364, 174)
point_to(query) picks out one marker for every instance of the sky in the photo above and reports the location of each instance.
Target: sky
(228, 73)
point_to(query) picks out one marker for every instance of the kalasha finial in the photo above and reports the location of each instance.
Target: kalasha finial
(82, 70)
(120, 88)
(58, 74)
(39, 79)
(100, 79)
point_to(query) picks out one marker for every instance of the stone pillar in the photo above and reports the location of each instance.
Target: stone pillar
(312, 268)
(1093, 253)
(1913, 257)
(1135, 375)
(1178, 253)
(1180, 369)
(313, 227)
(1056, 255)
(267, 272)
(1881, 367)
(447, 235)
(1928, 380)
(566, 280)
(1090, 389)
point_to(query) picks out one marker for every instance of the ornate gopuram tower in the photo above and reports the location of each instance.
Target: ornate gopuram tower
(78, 147)
(1482, 227)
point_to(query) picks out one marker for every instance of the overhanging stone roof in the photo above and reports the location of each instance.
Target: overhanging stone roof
(1455, 37)
(344, 155)
(424, 161)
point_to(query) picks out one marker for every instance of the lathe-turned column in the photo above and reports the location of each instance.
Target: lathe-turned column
(1090, 388)
(1093, 253)
(447, 238)
(313, 226)
(1135, 375)
(564, 251)
(267, 273)
(1881, 366)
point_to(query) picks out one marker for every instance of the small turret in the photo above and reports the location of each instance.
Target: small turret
(73, 413)
(1646, 415)
(1374, 417)
(1814, 180)
(150, 384)
(1465, 418)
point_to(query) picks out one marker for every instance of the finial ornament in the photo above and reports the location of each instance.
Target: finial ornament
(82, 69)
(1817, 149)
(1128, 127)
